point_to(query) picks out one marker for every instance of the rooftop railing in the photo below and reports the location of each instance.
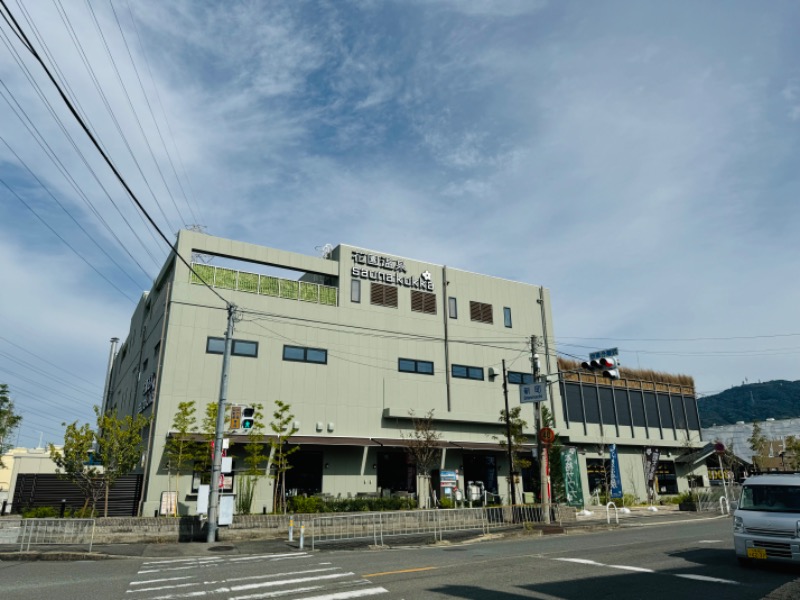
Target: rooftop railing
(264, 285)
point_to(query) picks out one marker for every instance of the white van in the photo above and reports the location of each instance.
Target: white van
(766, 524)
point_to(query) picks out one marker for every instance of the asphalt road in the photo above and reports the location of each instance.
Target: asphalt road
(679, 560)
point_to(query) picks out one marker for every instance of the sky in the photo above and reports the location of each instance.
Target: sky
(639, 159)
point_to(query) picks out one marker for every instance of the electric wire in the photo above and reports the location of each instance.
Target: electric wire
(66, 243)
(69, 214)
(108, 161)
(50, 376)
(144, 53)
(44, 360)
(17, 108)
(96, 83)
(152, 115)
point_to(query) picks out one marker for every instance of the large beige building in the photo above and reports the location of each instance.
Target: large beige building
(355, 341)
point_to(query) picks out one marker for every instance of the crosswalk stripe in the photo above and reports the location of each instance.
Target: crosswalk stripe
(149, 581)
(706, 578)
(351, 594)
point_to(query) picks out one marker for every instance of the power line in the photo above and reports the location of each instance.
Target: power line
(66, 243)
(108, 161)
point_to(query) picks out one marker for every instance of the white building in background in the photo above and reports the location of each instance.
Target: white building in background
(736, 436)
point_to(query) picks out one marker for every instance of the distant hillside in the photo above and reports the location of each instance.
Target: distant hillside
(751, 402)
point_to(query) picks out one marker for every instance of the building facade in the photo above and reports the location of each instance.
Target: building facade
(356, 342)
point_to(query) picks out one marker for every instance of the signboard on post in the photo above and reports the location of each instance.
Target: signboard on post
(603, 353)
(532, 393)
(615, 481)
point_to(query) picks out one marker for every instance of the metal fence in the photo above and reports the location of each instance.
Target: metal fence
(375, 527)
(708, 498)
(52, 532)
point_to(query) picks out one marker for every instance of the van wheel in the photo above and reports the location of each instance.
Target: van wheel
(744, 562)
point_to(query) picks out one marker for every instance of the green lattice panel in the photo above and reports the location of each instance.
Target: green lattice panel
(327, 295)
(270, 286)
(309, 292)
(248, 282)
(226, 278)
(204, 271)
(289, 289)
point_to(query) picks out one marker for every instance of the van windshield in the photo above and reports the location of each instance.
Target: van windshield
(770, 498)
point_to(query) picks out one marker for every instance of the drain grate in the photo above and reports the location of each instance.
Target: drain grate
(221, 548)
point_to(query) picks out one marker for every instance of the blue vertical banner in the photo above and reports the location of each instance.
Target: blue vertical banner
(615, 482)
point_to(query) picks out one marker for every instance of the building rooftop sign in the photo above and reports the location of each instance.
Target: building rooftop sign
(395, 267)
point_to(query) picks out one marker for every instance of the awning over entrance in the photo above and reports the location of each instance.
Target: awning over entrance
(403, 443)
(697, 456)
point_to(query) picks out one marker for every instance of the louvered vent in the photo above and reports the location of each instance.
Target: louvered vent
(480, 311)
(423, 302)
(383, 295)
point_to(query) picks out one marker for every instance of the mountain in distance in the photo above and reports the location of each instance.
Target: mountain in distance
(750, 402)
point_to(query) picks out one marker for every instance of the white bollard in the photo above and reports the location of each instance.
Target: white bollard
(291, 529)
(302, 535)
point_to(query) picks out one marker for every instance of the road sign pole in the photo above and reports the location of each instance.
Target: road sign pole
(544, 473)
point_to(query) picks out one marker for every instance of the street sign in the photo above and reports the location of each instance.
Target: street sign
(547, 435)
(604, 353)
(236, 417)
(532, 393)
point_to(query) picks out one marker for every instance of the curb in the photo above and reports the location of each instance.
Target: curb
(53, 556)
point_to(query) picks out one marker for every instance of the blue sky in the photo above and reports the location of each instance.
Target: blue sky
(636, 158)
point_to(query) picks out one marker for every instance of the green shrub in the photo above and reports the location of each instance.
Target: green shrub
(446, 503)
(300, 504)
(80, 513)
(41, 512)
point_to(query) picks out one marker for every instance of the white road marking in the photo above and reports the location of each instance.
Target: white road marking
(276, 594)
(160, 580)
(586, 561)
(352, 594)
(706, 578)
(710, 542)
(164, 587)
(629, 568)
(581, 561)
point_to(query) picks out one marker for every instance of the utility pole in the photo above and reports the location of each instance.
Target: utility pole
(544, 474)
(508, 439)
(216, 465)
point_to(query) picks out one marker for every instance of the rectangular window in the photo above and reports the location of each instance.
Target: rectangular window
(465, 372)
(408, 365)
(651, 410)
(452, 307)
(309, 355)
(423, 302)
(606, 395)
(355, 290)
(621, 405)
(215, 345)
(245, 348)
(383, 295)
(519, 378)
(481, 312)
(637, 408)
(665, 410)
(590, 404)
(507, 316)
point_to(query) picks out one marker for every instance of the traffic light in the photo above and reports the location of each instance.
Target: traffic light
(607, 365)
(248, 417)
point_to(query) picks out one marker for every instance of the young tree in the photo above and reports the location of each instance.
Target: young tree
(254, 460)
(204, 452)
(423, 446)
(119, 447)
(72, 462)
(517, 427)
(758, 444)
(181, 447)
(9, 420)
(283, 428)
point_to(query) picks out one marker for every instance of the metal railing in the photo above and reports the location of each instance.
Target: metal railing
(62, 532)
(375, 527)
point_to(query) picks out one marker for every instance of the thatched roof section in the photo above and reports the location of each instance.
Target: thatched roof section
(631, 378)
